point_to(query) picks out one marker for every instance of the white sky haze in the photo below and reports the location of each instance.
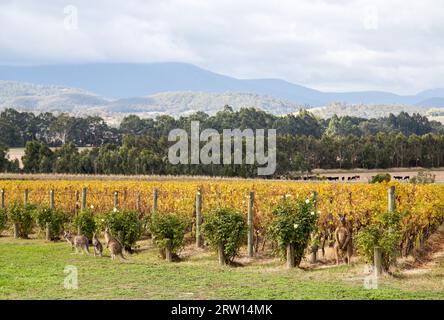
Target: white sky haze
(340, 45)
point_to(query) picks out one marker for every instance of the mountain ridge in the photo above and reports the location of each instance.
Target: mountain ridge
(139, 80)
(49, 98)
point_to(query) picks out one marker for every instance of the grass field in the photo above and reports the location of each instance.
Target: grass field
(34, 269)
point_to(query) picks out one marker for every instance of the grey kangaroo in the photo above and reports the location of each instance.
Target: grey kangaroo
(343, 240)
(115, 247)
(77, 242)
(98, 248)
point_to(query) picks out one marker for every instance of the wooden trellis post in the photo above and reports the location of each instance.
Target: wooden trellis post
(2, 199)
(83, 203)
(290, 256)
(116, 200)
(168, 252)
(77, 204)
(51, 206)
(315, 247)
(391, 199)
(51, 200)
(378, 261)
(221, 254)
(155, 198)
(250, 224)
(198, 218)
(26, 197)
(82, 206)
(77, 207)
(138, 202)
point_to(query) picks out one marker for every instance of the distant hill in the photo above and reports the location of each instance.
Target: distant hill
(432, 93)
(134, 80)
(50, 98)
(184, 102)
(10, 89)
(432, 102)
(139, 80)
(41, 98)
(364, 111)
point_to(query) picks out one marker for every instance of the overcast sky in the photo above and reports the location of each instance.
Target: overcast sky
(330, 45)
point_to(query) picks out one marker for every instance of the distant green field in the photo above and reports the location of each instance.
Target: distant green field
(34, 269)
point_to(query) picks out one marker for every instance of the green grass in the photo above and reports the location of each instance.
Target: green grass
(33, 269)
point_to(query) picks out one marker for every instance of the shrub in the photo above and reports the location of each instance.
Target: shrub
(381, 177)
(86, 223)
(227, 227)
(384, 231)
(22, 216)
(3, 219)
(125, 225)
(169, 227)
(100, 221)
(55, 218)
(423, 177)
(293, 223)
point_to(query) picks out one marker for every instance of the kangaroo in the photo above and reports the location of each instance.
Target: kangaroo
(69, 238)
(327, 231)
(77, 241)
(98, 248)
(115, 247)
(343, 240)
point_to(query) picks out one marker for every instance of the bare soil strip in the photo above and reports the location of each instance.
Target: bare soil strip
(364, 176)
(430, 256)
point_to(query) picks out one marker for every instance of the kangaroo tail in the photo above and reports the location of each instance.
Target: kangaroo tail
(122, 256)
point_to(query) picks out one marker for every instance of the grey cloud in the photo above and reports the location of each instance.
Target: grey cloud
(335, 45)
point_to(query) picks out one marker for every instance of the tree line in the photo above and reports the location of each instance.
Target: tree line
(140, 146)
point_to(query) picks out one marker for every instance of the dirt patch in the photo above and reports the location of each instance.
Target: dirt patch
(428, 257)
(366, 175)
(343, 175)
